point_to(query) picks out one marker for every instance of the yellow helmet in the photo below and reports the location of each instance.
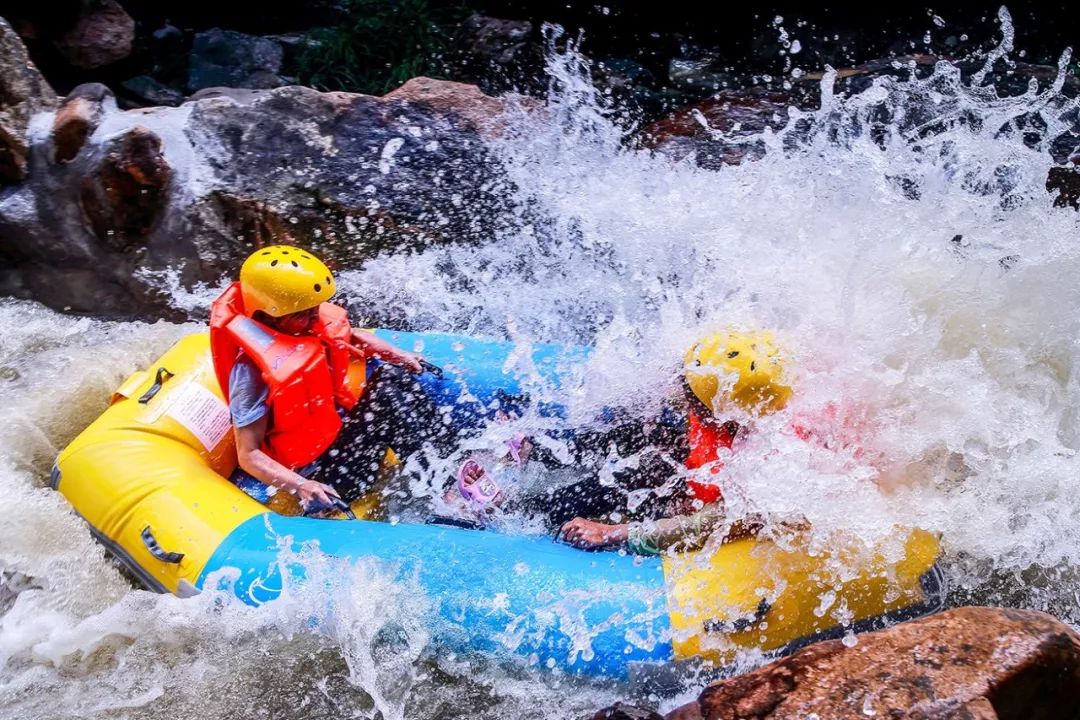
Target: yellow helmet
(751, 364)
(281, 279)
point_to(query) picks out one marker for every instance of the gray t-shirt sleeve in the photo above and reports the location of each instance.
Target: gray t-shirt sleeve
(247, 393)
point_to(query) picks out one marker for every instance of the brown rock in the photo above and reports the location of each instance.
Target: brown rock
(974, 663)
(466, 102)
(23, 92)
(103, 34)
(124, 198)
(721, 130)
(79, 115)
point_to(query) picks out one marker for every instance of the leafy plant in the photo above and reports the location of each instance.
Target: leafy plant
(381, 44)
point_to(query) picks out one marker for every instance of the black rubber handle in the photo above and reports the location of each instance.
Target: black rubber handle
(453, 522)
(157, 551)
(159, 380)
(432, 368)
(739, 624)
(343, 506)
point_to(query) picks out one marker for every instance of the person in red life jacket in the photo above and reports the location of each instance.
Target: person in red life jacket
(308, 418)
(726, 375)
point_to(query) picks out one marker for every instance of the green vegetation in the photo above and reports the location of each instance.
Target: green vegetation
(382, 44)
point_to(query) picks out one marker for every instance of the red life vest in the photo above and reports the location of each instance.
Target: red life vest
(706, 439)
(830, 429)
(307, 376)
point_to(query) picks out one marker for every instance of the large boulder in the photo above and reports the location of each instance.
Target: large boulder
(973, 663)
(23, 92)
(115, 198)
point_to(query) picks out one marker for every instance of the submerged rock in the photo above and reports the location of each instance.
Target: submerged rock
(23, 92)
(621, 711)
(112, 198)
(970, 663)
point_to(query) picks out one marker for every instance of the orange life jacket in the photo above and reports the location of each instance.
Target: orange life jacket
(706, 439)
(308, 376)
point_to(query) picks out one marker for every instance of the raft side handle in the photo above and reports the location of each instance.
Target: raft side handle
(739, 624)
(432, 368)
(156, 550)
(163, 374)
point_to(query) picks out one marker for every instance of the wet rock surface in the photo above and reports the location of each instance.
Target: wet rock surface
(23, 92)
(79, 115)
(110, 198)
(724, 130)
(973, 662)
(126, 196)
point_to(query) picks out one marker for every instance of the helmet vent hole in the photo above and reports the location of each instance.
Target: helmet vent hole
(266, 252)
(305, 256)
(294, 263)
(752, 364)
(284, 252)
(273, 263)
(329, 281)
(318, 287)
(733, 353)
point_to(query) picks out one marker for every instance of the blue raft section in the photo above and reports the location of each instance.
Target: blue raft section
(500, 595)
(481, 377)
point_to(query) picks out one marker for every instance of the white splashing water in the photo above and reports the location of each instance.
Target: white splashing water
(956, 361)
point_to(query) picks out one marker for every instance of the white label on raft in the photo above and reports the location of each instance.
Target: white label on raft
(203, 413)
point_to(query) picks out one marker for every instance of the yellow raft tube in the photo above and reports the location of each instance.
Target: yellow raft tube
(149, 476)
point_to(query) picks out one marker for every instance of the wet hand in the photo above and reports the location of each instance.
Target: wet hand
(587, 534)
(316, 494)
(411, 361)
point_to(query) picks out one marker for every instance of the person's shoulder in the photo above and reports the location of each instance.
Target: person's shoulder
(245, 372)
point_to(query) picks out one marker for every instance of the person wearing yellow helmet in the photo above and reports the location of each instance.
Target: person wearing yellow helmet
(283, 355)
(727, 378)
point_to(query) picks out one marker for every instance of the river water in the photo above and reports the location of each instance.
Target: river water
(901, 244)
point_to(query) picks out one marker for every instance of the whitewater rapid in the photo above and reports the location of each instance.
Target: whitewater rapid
(902, 246)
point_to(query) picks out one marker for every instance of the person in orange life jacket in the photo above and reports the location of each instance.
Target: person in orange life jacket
(722, 372)
(304, 421)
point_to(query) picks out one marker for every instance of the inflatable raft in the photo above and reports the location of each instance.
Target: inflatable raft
(149, 476)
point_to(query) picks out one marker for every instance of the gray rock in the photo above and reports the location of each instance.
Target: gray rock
(193, 189)
(23, 92)
(153, 92)
(494, 40)
(229, 58)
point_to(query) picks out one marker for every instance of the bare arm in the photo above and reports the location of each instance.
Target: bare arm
(266, 469)
(689, 532)
(374, 347)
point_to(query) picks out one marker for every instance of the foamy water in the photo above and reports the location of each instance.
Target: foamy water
(953, 365)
